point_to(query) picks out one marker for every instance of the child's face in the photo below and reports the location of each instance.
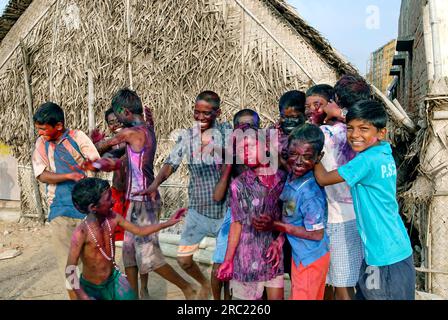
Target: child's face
(361, 135)
(205, 114)
(301, 158)
(49, 132)
(314, 109)
(290, 119)
(124, 116)
(105, 204)
(248, 151)
(113, 124)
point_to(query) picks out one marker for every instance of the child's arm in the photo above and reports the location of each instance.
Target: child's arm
(77, 243)
(266, 223)
(275, 251)
(223, 183)
(123, 136)
(165, 172)
(225, 271)
(325, 178)
(55, 178)
(147, 230)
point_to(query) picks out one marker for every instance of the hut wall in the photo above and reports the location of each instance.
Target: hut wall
(178, 48)
(414, 80)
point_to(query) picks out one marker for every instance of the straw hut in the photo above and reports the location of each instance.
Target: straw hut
(79, 52)
(420, 67)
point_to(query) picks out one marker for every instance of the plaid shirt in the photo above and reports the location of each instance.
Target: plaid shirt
(204, 172)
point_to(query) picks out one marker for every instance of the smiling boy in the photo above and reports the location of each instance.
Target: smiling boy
(388, 272)
(204, 215)
(93, 243)
(304, 216)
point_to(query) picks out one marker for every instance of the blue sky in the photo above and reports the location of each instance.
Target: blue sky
(355, 28)
(3, 4)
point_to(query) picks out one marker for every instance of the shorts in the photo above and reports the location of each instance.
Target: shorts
(196, 228)
(223, 237)
(121, 207)
(254, 290)
(308, 283)
(61, 229)
(142, 252)
(346, 254)
(391, 282)
(116, 287)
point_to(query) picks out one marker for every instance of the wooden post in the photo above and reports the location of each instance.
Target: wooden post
(243, 69)
(91, 100)
(129, 49)
(29, 101)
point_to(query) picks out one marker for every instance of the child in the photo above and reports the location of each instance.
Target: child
(93, 242)
(253, 193)
(140, 254)
(388, 271)
(243, 120)
(118, 180)
(57, 157)
(204, 215)
(292, 115)
(304, 216)
(345, 242)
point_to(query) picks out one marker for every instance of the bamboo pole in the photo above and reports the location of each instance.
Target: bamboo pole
(29, 101)
(243, 43)
(129, 46)
(297, 62)
(90, 100)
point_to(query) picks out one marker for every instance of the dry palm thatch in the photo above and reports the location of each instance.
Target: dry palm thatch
(169, 51)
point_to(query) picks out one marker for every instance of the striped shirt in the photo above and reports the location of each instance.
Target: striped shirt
(63, 156)
(204, 173)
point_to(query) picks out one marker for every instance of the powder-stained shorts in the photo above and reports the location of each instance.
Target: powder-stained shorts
(142, 252)
(346, 254)
(254, 290)
(196, 228)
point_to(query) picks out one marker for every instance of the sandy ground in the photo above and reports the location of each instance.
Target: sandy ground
(33, 274)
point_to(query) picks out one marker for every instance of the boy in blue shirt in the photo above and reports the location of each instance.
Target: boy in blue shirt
(388, 271)
(304, 217)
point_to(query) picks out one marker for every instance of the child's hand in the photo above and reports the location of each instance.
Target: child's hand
(332, 110)
(225, 271)
(96, 135)
(88, 166)
(263, 223)
(75, 176)
(151, 192)
(176, 218)
(274, 253)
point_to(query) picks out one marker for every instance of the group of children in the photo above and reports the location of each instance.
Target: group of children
(328, 216)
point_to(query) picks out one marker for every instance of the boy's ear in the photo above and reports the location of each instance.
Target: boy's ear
(59, 126)
(320, 156)
(91, 208)
(218, 113)
(382, 133)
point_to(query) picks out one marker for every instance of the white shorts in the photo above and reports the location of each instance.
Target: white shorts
(254, 290)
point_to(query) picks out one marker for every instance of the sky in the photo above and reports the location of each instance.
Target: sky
(3, 4)
(355, 28)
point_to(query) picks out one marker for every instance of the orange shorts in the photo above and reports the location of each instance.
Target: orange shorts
(308, 283)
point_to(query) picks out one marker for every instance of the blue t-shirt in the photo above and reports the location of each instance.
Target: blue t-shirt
(372, 177)
(305, 205)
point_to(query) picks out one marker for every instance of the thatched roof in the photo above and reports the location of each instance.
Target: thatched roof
(15, 8)
(11, 14)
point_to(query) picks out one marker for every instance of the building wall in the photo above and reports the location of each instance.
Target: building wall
(413, 84)
(9, 185)
(380, 64)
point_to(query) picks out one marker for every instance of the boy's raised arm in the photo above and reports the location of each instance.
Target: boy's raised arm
(147, 230)
(77, 243)
(122, 136)
(325, 178)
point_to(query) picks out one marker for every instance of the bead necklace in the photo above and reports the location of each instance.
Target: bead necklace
(103, 253)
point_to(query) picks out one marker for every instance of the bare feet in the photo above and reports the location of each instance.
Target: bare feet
(204, 293)
(144, 294)
(190, 293)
